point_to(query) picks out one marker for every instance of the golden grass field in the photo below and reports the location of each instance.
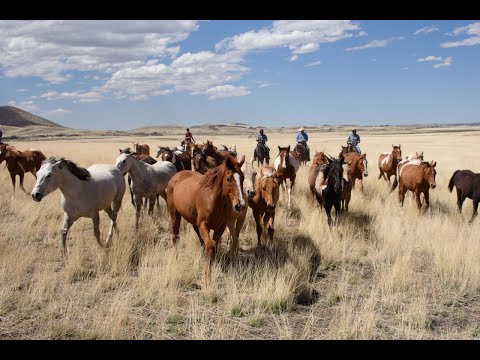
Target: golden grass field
(385, 273)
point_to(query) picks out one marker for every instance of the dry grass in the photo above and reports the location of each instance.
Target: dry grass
(384, 273)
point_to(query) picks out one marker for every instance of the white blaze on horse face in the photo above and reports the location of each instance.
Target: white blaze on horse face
(46, 181)
(236, 176)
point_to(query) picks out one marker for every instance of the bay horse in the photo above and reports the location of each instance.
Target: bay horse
(147, 180)
(358, 166)
(418, 178)
(21, 162)
(300, 152)
(141, 149)
(467, 184)
(263, 203)
(331, 193)
(85, 192)
(208, 202)
(262, 155)
(319, 159)
(387, 163)
(286, 166)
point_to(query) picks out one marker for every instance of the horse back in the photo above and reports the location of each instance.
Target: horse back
(468, 182)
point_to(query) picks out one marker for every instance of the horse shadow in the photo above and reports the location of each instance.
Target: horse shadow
(359, 220)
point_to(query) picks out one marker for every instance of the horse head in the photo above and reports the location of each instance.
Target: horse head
(249, 182)
(429, 173)
(268, 186)
(124, 162)
(284, 156)
(233, 179)
(335, 174)
(363, 164)
(397, 152)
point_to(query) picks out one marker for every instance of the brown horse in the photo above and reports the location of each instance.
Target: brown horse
(141, 149)
(467, 184)
(263, 203)
(418, 178)
(286, 166)
(348, 149)
(358, 166)
(179, 158)
(319, 159)
(208, 202)
(300, 153)
(346, 187)
(387, 163)
(21, 162)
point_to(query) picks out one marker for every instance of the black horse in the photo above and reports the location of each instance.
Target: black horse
(262, 154)
(467, 184)
(331, 195)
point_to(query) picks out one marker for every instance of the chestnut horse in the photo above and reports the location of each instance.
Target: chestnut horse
(141, 149)
(346, 187)
(264, 201)
(418, 178)
(319, 159)
(467, 184)
(21, 162)
(286, 166)
(358, 166)
(387, 163)
(208, 202)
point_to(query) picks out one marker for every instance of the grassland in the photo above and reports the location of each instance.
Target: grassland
(384, 273)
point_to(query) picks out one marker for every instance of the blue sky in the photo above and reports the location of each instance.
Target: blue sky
(127, 74)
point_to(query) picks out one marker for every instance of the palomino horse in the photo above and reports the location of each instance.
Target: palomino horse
(418, 178)
(319, 159)
(286, 166)
(387, 163)
(331, 193)
(467, 184)
(208, 202)
(141, 149)
(21, 162)
(85, 192)
(264, 201)
(147, 180)
(262, 154)
(358, 166)
(300, 152)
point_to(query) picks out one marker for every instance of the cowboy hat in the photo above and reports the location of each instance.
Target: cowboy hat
(301, 129)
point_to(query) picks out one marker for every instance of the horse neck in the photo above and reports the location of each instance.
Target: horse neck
(71, 186)
(138, 169)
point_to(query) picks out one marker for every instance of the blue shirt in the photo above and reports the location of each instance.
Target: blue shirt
(354, 139)
(302, 137)
(262, 138)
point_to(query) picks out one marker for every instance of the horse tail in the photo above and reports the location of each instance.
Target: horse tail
(394, 185)
(450, 183)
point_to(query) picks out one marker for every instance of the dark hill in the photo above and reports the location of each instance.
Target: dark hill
(12, 116)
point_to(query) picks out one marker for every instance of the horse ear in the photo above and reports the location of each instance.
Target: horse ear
(350, 162)
(279, 148)
(433, 163)
(120, 151)
(288, 148)
(242, 161)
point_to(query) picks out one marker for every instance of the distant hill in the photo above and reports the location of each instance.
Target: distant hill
(12, 116)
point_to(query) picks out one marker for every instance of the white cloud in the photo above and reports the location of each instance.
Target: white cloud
(22, 90)
(426, 30)
(430, 58)
(50, 49)
(471, 29)
(446, 62)
(24, 105)
(223, 91)
(300, 36)
(76, 96)
(58, 112)
(294, 57)
(375, 44)
(314, 63)
(261, 84)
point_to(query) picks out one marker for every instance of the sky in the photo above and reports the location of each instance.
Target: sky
(128, 74)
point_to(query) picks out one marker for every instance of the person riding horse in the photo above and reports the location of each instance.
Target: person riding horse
(261, 141)
(302, 138)
(188, 139)
(354, 140)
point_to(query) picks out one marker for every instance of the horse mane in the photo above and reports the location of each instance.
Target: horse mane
(126, 151)
(79, 172)
(211, 176)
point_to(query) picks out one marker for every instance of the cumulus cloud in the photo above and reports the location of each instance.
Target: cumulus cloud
(58, 112)
(426, 30)
(430, 58)
(50, 49)
(76, 96)
(223, 91)
(24, 105)
(375, 44)
(446, 62)
(314, 63)
(472, 29)
(300, 36)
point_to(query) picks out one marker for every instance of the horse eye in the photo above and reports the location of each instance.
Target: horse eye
(49, 175)
(228, 179)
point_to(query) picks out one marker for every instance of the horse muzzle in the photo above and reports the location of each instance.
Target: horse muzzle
(365, 174)
(433, 186)
(271, 207)
(37, 196)
(251, 193)
(239, 208)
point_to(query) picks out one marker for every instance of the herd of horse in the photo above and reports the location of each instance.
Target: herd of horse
(212, 189)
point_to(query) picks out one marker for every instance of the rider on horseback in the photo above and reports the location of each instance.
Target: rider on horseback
(302, 138)
(188, 139)
(354, 140)
(262, 141)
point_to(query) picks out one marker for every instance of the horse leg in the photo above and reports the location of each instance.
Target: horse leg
(401, 194)
(22, 175)
(195, 227)
(151, 204)
(337, 212)
(138, 208)
(96, 229)
(129, 179)
(113, 224)
(460, 199)
(210, 247)
(426, 196)
(417, 199)
(347, 200)
(12, 176)
(289, 190)
(67, 224)
(475, 208)
(163, 194)
(258, 224)
(361, 184)
(269, 219)
(328, 208)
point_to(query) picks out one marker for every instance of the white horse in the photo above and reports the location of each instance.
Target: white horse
(85, 192)
(147, 180)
